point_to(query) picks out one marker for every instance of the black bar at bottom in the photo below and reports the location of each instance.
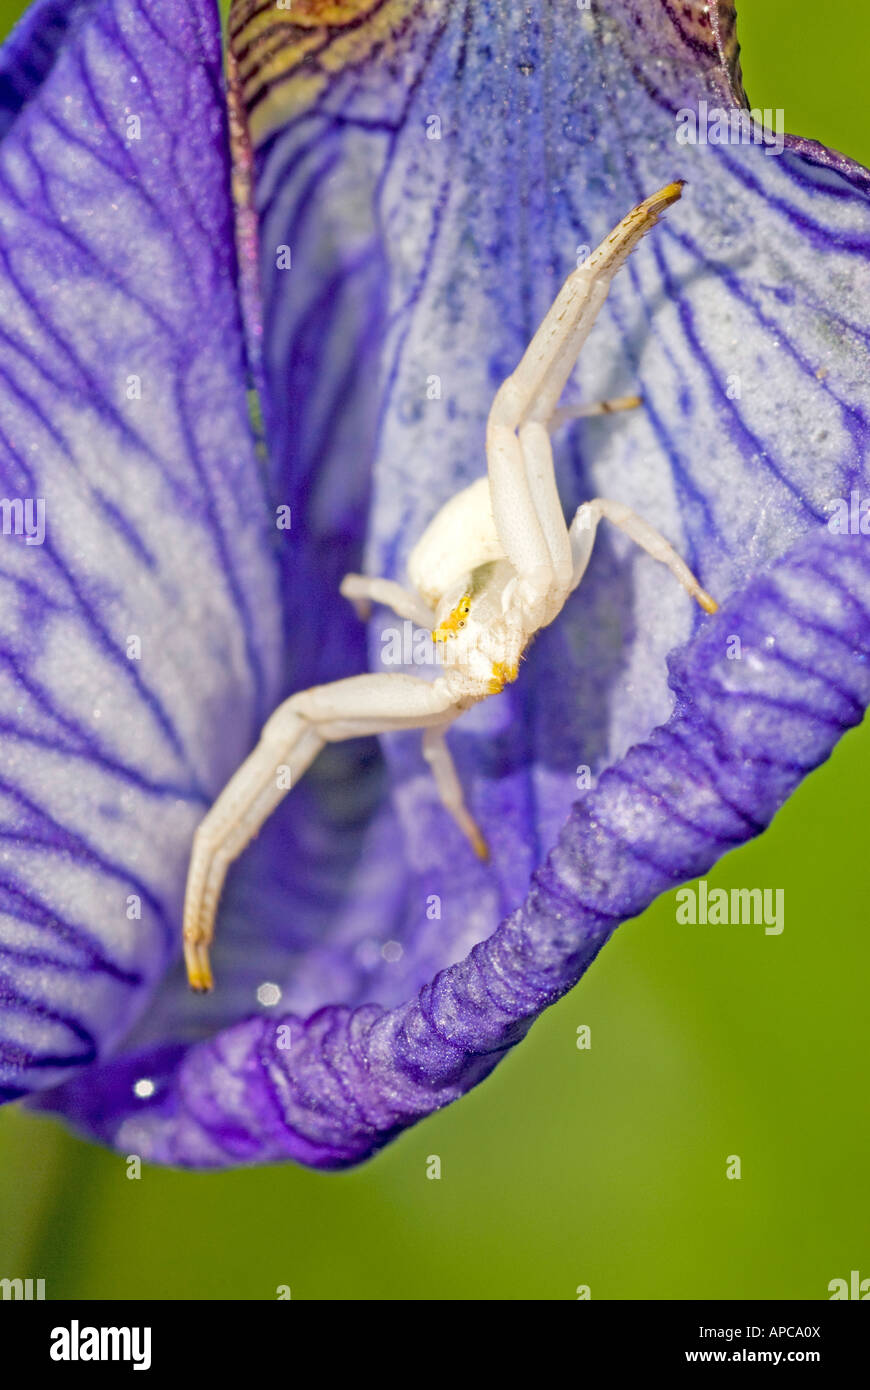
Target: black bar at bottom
(59, 1339)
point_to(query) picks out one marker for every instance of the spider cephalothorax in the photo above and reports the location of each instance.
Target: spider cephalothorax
(495, 565)
(478, 648)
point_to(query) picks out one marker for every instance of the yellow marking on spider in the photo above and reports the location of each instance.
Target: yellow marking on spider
(502, 675)
(454, 620)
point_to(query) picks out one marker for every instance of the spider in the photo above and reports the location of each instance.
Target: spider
(495, 565)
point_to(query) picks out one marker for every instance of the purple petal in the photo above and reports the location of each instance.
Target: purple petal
(117, 279)
(28, 54)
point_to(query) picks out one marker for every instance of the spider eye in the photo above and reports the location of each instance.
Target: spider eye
(461, 623)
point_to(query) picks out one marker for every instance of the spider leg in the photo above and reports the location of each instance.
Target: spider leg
(247, 800)
(525, 503)
(582, 536)
(363, 590)
(289, 743)
(437, 755)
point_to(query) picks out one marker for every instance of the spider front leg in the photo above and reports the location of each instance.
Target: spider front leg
(525, 502)
(289, 743)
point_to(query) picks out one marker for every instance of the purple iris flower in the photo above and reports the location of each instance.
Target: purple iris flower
(368, 245)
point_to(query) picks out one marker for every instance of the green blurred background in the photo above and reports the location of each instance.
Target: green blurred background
(603, 1167)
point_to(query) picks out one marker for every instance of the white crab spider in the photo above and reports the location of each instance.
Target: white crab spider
(495, 565)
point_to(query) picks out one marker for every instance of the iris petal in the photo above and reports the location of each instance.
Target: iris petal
(28, 54)
(139, 640)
